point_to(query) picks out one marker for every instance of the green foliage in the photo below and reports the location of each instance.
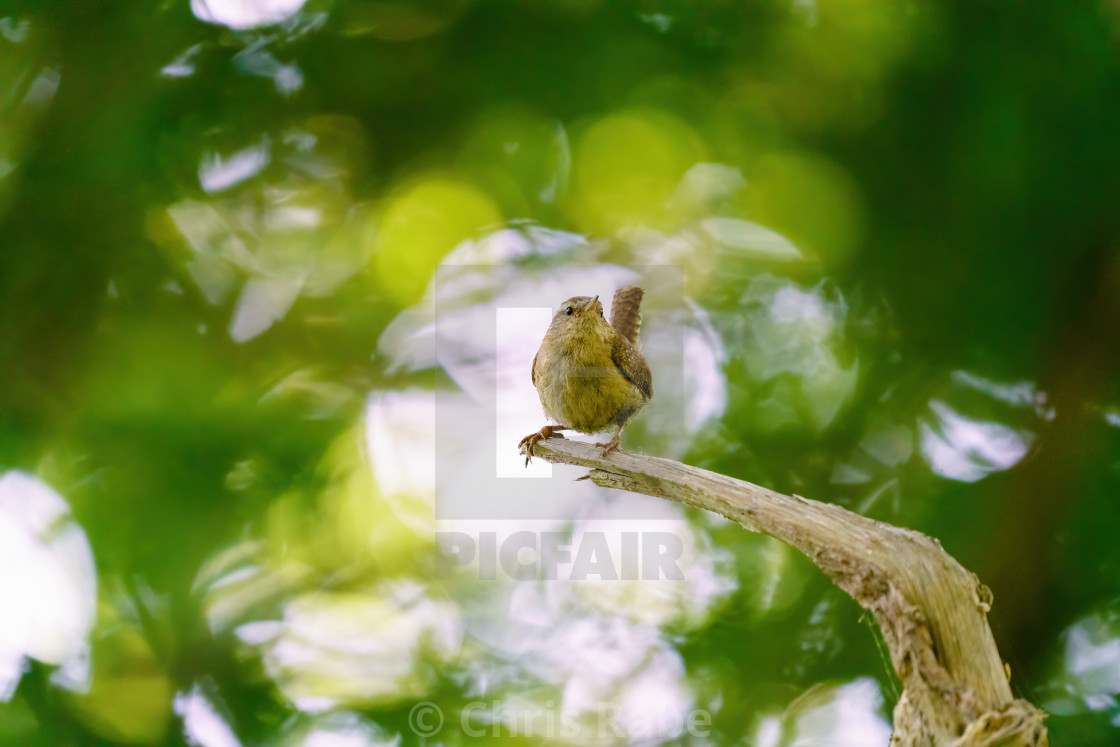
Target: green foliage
(224, 329)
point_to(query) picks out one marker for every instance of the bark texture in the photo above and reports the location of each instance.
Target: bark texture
(931, 610)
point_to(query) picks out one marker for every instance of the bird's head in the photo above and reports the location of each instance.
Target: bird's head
(579, 316)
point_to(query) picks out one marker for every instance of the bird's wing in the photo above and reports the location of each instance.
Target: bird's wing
(626, 312)
(632, 365)
(534, 369)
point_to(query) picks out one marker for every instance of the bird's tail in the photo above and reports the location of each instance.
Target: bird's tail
(626, 312)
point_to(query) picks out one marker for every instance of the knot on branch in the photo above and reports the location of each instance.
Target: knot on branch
(1018, 724)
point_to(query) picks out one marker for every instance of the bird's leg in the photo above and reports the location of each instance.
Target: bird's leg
(611, 445)
(549, 431)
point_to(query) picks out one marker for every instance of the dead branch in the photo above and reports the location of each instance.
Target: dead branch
(931, 610)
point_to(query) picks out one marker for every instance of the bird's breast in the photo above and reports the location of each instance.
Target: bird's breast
(582, 389)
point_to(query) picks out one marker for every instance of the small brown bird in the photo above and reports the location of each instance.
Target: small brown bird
(589, 374)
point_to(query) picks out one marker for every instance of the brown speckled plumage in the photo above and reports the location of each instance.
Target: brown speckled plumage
(626, 312)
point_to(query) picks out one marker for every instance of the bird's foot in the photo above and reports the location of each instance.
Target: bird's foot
(549, 431)
(611, 445)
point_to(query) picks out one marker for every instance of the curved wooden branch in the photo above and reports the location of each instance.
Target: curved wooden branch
(931, 610)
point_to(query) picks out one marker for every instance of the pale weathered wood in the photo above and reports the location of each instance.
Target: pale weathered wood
(931, 610)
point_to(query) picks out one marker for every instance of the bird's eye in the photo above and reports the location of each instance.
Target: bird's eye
(569, 310)
(600, 312)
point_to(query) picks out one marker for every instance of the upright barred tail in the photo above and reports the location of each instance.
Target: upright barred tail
(626, 312)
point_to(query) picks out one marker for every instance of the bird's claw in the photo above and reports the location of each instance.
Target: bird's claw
(608, 447)
(549, 431)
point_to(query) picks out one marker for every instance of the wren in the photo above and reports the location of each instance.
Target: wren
(589, 373)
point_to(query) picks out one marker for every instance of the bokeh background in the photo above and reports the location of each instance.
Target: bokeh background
(252, 253)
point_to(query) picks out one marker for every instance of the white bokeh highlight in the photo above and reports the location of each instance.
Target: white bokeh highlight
(48, 584)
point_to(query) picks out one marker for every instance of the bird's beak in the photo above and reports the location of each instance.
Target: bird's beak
(590, 305)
